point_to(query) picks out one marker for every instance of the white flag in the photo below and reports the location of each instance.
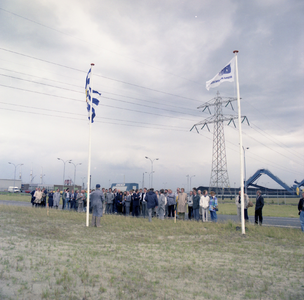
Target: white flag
(226, 74)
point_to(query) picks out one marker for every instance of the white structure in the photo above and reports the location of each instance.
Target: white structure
(5, 183)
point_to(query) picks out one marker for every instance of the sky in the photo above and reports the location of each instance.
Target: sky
(152, 60)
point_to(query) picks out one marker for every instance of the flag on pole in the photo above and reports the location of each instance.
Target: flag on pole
(226, 74)
(91, 96)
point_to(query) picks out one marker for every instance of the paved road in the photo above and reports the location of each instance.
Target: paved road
(267, 221)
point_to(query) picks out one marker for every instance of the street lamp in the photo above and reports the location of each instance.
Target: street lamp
(151, 169)
(190, 181)
(74, 171)
(64, 162)
(149, 178)
(143, 181)
(15, 172)
(188, 190)
(244, 149)
(83, 178)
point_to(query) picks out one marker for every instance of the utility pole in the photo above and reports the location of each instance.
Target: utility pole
(219, 179)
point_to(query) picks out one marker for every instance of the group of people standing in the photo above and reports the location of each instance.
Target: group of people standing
(70, 200)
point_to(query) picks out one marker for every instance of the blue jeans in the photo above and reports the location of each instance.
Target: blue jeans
(64, 203)
(68, 203)
(302, 220)
(144, 208)
(196, 215)
(213, 216)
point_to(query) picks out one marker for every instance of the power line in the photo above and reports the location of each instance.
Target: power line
(72, 36)
(102, 91)
(101, 76)
(70, 113)
(105, 105)
(165, 127)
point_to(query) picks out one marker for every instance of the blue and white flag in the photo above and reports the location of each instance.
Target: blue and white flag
(226, 74)
(91, 96)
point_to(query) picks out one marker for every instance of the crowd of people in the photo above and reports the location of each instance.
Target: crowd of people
(197, 205)
(142, 202)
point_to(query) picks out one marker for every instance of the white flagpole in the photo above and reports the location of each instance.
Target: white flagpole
(241, 142)
(89, 158)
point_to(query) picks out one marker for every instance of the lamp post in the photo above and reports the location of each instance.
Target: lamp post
(64, 162)
(83, 178)
(15, 172)
(150, 185)
(244, 149)
(191, 181)
(151, 169)
(143, 181)
(74, 171)
(41, 176)
(188, 183)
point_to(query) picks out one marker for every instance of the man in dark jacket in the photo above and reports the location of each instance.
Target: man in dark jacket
(301, 211)
(152, 202)
(135, 198)
(258, 208)
(97, 199)
(196, 202)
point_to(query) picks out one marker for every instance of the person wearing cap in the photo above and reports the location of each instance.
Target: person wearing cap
(152, 202)
(97, 199)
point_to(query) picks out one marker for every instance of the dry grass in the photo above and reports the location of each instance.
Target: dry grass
(57, 257)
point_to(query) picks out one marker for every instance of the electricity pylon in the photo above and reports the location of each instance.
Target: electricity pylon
(219, 179)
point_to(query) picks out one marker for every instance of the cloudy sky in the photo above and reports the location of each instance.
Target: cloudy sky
(152, 59)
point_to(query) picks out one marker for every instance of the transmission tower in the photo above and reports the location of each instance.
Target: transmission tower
(219, 179)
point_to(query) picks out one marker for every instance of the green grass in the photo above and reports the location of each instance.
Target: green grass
(286, 211)
(57, 257)
(15, 196)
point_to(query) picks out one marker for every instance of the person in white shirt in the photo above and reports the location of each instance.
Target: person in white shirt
(204, 204)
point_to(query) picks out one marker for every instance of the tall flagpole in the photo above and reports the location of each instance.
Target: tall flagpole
(241, 142)
(89, 158)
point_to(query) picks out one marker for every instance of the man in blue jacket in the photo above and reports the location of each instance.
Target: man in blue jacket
(258, 208)
(152, 202)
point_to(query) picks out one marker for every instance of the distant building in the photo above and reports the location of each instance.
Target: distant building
(5, 183)
(124, 186)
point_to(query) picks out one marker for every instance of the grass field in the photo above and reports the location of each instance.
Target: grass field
(57, 257)
(285, 211)
(15, 197)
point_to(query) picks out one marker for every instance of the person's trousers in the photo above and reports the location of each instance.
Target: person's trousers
(64, 203)
(127, 210)
(135, 210)
(150, 212)
(205, 214)
(213, 216)
(190, 212)
(161, 213)
(109, 209)
(80, 206)
(246, 214)
(95, 221)
(171, 210)
(196, 214)
(181, 216)
(258, 217)
(302, 220)
(144, 208)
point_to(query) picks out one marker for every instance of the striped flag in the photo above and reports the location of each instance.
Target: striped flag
(91, 96)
